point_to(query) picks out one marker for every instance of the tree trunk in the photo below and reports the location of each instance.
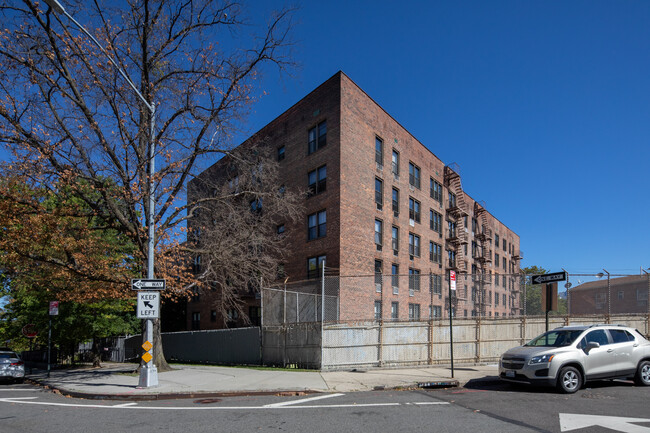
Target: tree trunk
(158, 355)
(96, 355)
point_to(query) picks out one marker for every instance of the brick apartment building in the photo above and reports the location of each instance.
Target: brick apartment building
(384, 206)
(629, 295)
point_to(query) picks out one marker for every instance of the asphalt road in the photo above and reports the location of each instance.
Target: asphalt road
(478, 407)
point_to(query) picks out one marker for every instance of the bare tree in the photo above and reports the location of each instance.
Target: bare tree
(68, 115)
(236, 235)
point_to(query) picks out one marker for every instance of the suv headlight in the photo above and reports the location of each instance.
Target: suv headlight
(541, 359)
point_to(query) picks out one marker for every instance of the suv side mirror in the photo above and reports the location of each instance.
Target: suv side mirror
(592, 345)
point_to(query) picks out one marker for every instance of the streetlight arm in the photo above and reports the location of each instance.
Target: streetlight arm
(58, 8)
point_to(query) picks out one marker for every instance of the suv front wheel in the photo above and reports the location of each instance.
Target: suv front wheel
(569, 380)
(643, 374)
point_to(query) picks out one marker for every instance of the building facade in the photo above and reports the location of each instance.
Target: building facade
(380, 204)
(626, 295)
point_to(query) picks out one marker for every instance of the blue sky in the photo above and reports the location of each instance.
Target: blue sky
(545, 105)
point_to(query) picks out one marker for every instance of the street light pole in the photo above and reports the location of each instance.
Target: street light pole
(148, 373)
(609, 298)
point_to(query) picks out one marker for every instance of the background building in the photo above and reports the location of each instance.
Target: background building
(629, 295)
(384, 214)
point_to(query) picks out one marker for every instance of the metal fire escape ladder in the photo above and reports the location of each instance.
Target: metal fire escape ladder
(456, 212)
(484, 236)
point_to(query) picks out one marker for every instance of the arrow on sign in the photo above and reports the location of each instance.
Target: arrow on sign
(148, 304)
(548, 278)
(575, 421)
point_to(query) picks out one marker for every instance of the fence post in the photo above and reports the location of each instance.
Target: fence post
(478, 339)
(522, 331)
(647, 313)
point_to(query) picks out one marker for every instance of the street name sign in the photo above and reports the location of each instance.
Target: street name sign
(143, 284)
(548, 278)
(148, 305)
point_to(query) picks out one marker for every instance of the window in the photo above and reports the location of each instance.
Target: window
(599, 336)
(435, 190)
(196, 265)
(435, 221)
(451, 226)
(496, 260)
(255, 315)
(379, 193)
(504, 244)
(379, 151)
(414, 210)
(504, 299)
(394, 310)
(378, 233)
(196, 321)
(280, 153)
(414, 311)
(505, 265)
(394, 269)
(452, 199)
(414, 279)
(414, 245)
(496, 240)
(496, 299)
(396, 201)
(213, 315)
(378, 275)
(256, 206)
(435, 311)
(232, 314)
(414, 175)
(435, 253)
(315, 266)
(318, 137)
(435, 284)
(394, 165)
(620, 336)
(377, 310)
(317, 181)
(451, 255)
(474, 225)
(317, 225)
(395, 239)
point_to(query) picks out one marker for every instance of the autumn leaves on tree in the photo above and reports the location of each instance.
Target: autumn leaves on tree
(77, 191)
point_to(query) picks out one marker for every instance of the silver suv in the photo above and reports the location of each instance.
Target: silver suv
(569, 356)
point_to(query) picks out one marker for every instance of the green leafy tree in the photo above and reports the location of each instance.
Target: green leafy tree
(533, 298)
(53, 248)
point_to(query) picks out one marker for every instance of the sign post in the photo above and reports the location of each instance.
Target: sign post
(549, 291)
(452, 288)
(148, 308)
(54, 311)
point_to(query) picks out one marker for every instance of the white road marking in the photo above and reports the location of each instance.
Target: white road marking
(20, 389)
(291, 402)
(424, 403)
(133, 406)
(575, 421)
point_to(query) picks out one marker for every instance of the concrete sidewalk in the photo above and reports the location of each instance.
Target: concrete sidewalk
(118, 381)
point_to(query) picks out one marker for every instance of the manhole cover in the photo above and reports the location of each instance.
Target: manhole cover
(207, 400)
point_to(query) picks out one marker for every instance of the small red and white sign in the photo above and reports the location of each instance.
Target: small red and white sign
(54, 308)
(452, 280)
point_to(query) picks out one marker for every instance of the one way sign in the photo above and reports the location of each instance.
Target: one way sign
(148, 305)
(548, 278)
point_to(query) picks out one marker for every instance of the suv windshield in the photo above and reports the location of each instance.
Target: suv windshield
(555, 338)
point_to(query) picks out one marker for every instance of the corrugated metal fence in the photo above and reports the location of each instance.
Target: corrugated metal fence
(385, 344)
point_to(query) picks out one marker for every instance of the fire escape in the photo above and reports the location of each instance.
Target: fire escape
(457, 232)
(483, 255)
(516, 285)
